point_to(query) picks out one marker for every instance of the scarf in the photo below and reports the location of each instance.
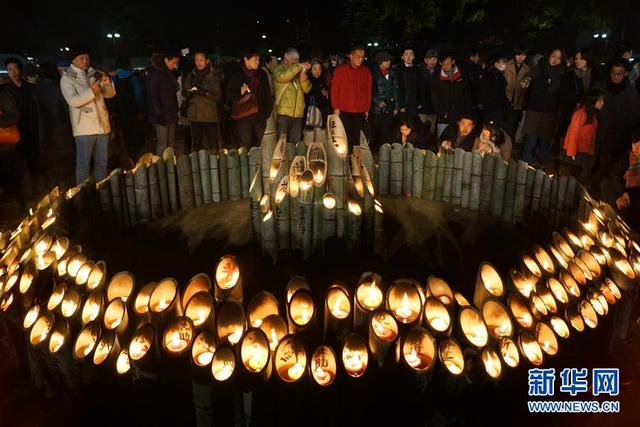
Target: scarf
(487, 146)
(199, 76)
(632, 176)
(585, 76)
(553, 74)
(452, 75)
(253, 77)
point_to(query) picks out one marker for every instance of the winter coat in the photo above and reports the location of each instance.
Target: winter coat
(409, 87)
(427, 77)
(315, 95)
(53, 117)
(288, 82)
(581, 136)
(162, 93)
(237, 77)
(10, 114)
(544, 86)
(492, 97)
(618, 117)
(451, 96)
(203, 103)
(89, 115)
(28, 124)
(351, 88)
(504, 151)
(570, 93)
(515, 92)
(450, 133)
(385, 88)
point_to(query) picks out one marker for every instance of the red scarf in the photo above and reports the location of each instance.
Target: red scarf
(253, 75)
(632, 177)
(453, 77)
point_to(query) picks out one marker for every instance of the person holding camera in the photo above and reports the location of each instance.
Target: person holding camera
(291, 85)
(85, 90)
(384, 100)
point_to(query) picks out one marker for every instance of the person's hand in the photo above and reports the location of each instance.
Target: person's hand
(105, 80)
(95, 87)
(446, 144)
(305, 66)
(623, 201)
(324, 93)
(382, 104)
(244, 89)
(336, 111)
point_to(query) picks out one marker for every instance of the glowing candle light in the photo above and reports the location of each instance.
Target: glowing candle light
(404, 311)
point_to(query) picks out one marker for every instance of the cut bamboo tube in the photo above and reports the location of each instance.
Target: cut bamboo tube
(283, 224)
(545, 199)
(395, 169)
(154, 190)
(305, 215)
(572, 190)
(269, 245)
(528, 194)
(368, 207)
(510, 191)
(205, 175)
(298, 166)
(185, 182)
(254, 160)
(498, 190)
(130, 194)
(216, 194)
(224, 175)
(519, 198)
(336, 159)
(195, 179)
(538, 183)
(328, 216)
(354, 224)
(104, 197)
(279, 157)
(267, 147)
(308, 136)
(317, 238)
(384, 159)
(291, 150)
(363, 151)
(407, 169)
(458, 173)
(141, 193)
(486, 185)
(320, 135)
(467, 163)
(164, 188)
(244, 171)
(476, 181)
(429, 176)
(442, 160)
(448, 176)
(378, 237)
(418, 172)
(118, 199)
(488, 284)
(235, 176)
(255, 194)
(383, 331)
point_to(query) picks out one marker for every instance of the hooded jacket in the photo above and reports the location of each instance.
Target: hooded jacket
(89, 115)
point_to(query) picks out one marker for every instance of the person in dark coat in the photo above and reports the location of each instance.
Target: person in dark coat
(128, 107)
(162, 93)
(574, 84)
(541, 119)
(471, 67)
(320, 90)
(450, 92)
(244, 78)
(428, 71)
(410, 131)
(11, 176)
(409, 84)
(492, 94)
(460, 135)
(618, 117)
(384, 100)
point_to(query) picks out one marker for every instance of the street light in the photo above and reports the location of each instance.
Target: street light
(596, 35)
(66, 48)
(604, 35)
(109, 36)
(116, 35)
(264, 36)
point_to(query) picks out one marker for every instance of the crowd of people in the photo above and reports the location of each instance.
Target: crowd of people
(565, 113)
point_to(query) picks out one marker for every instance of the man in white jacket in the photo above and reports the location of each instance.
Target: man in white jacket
(85, 89)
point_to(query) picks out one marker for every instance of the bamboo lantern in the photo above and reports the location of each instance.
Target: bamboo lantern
(547, 298)
(198, 283)
(116, 317)
(450, 355)
(570, 284)
(228, 280)
(530, 268)
(11, 281)
(598, 301)
(74, 264)
(558, 290)
(56, 296)
(59, 336)
(355, 357)
(354, 223)
(64, 261)
(586, 240)
(537, 306)
(269, 242)
(384, 157)
(42, 245)
(41, 329)
(577, 273)
(92, 307)
(230, 322)
(276, 328)
(605, 238)
(200, 309)
(283, 213)
(560, 327)
(460, 299)
(97, 276)
(294, 284)
(496, 317)
(543, 260)
(300, 311)
(588, 313)
(509, 352)
(123, 364)
(615, 291)
(419, 350)
(328, 216)
(573, 317)
(491, 362)
(317, 163)
(141, 302)
(203, 349)
(120, 286)
(488, 283)
(214, 172)
(323, 365)
(255, 194)
(558, 257)
(70, 305)
(143, 349)
(383, 331)
(530, 348)
(254, 351)
(5, 303)
(27, 278)
(606, 292)
(378, 228)
(337, 310)
(178, 336)
(164, 302)
(522, 283)
(520, 311)
(305, 213)
(621, 270)
(585, 269)
(546, 338)
(279, 155)
(31, 317)
(223, 364)
(107, 350)
(86, 341)
(262, 304)
(290, 359)
(437, 316)
(562, 246)
(472, 328)
(440, 289)
(404, 301)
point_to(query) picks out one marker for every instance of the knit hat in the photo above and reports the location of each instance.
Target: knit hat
(76, 51)
(431, 53)
(382, 56)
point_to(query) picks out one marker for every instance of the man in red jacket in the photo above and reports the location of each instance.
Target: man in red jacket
(351, 94)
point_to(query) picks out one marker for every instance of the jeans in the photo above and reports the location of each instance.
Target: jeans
(201, 131)
(544, 148)
(86, 147)
(292, 126)
(165, 136)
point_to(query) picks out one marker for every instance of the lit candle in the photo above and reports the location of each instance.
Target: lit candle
(224, 372)
(273, 342)
(373, 298)
(439, 323)
(201, 317)
(204, 358)
(176, 343)
(138, 348)
(322, 376)
(295, 371)
(382, 331)
(354, 362)
(404, 312)
(234, 338)
(413, 359)
(337, 311)
(257, 361)
(57, 339)
(162, 305)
